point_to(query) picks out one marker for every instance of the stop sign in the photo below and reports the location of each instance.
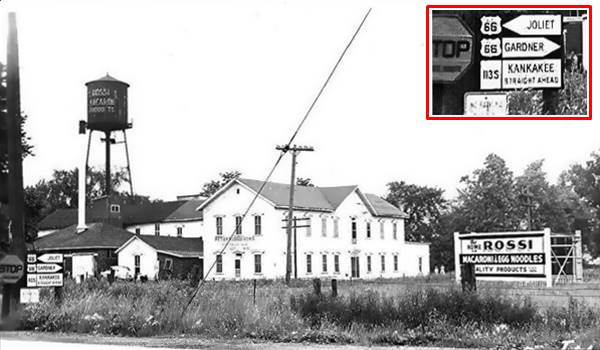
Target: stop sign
(451, 48)
(11, 269)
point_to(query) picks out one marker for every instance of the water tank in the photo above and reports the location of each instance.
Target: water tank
(107, 104)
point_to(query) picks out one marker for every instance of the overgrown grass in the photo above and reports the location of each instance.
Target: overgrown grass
(572, 98)
(228, 310)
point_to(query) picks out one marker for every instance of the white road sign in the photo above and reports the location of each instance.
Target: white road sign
(527, 47)
(49, 280)
(31, 280)
(490, 25)
(51, 258)
(536, 25)
(48, 268)
(520, 74)
(491, 47)
(30, 295)
(486, 103)
(524, 74)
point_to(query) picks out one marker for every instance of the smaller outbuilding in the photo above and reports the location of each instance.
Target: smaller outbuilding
(157, 257)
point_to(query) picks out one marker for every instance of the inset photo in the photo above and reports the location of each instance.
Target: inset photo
(508, 62)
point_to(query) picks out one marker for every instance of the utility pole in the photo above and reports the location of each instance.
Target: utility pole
(11, 294)
(295, 150)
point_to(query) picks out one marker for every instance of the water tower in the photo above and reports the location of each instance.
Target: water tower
(107, 113)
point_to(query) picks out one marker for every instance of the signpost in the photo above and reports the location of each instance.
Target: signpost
(506, 256)
(45, 270)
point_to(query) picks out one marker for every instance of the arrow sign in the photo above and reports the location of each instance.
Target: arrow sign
(48, 268)
(536, 25)
(527, 47)
(51, 258)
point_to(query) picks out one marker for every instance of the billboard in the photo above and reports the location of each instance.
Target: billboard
(505, 256)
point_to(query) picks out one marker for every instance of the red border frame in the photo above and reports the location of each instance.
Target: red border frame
(544, 117)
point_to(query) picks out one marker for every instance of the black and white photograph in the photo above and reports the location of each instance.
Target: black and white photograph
(269, 174)
(494, 62)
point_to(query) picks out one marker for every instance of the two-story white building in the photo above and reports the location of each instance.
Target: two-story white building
(348, 234)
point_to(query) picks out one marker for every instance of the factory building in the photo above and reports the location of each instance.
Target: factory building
(348, 234)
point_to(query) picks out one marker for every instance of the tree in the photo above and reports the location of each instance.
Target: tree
(422, 204)
(301, 181)
(487, 202)
(584, 180)
(209, 188)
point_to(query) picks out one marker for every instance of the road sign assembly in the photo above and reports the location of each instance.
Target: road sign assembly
(44, 270)
(528, 61)
(452, 48)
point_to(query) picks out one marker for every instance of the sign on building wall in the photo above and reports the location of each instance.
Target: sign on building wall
(506, 256)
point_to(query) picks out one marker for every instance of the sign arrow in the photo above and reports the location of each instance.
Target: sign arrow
(536, 25)
(48, 268)
(51, 258)
(527, 47)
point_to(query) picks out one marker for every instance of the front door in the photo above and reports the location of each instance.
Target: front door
(136, 260)
(238, 265)
(354, 267)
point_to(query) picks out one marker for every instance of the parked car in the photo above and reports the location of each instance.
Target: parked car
(121, 273)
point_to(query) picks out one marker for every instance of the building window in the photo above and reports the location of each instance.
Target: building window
(309, 227)
(395, 230)
(324, 226)
(353, 230)
(238, 225)
(257, 263)
(157, 229)
(420, 264)
(324, 257)
(168, 264)
(368, 230)
(336, 263)
(219, 263)
(179, 231)
(336, 227)
(395, 263)
(136, 264)
(383, 263)
(381, 228)
(308, 264)
(237, 191)
(257, 225)
(138, 231)
(369, 264)
(115, 208)
(219, 220)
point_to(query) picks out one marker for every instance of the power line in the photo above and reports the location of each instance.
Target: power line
(284, 150)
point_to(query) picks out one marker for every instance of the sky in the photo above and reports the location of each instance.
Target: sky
(216, 85)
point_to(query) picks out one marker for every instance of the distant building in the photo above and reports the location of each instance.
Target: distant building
(350, 234)
(171, 219)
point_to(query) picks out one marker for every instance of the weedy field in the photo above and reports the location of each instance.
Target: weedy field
(364, 313)
(572, 99)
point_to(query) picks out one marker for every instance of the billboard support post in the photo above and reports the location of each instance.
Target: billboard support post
(457, 272)
(548, 253)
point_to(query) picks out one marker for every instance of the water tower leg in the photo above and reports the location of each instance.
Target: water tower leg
(87, 155)
(128, 164)
(107, 184)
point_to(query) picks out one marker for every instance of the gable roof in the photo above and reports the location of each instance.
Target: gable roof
(326, 199)
(131, 214)
(99, 235)
(175, 246)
